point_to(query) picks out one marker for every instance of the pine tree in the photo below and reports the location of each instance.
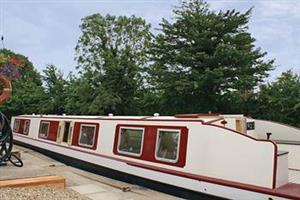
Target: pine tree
(202, 56)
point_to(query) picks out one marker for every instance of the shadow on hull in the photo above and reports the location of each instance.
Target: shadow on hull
(121, 176)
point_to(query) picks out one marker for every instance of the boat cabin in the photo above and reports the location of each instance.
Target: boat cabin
(191, 151)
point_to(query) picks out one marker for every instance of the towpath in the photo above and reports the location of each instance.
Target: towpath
(86, 185)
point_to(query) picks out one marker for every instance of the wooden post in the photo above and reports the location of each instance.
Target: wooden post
(51, 181)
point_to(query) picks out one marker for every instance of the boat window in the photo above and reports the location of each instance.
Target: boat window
(26, 126)
(167, 145)
(16, 125)
(66, 132)
(44, 129)
(87, 135)
(130, 141)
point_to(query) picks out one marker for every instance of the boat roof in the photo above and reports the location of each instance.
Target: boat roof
(191, 117)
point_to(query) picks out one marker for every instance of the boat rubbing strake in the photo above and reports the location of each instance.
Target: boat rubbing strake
(219, 155)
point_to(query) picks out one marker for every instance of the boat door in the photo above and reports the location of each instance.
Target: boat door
(241, 124)
(65, 132)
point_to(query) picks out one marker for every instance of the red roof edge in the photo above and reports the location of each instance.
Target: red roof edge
(196, 115)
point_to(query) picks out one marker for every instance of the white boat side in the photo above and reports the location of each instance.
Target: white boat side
(214, 158)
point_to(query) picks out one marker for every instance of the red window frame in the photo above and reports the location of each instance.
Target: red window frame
(150, 141)
(16, 130)
(76, 134)
(26, 120)
(178, 131)
(21, 128)
(42, 135)
(52, 130)
(128, 153)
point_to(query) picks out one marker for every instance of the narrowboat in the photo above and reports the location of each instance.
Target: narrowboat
(211, 155)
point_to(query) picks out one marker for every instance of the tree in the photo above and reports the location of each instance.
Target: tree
(280, 100)
(202, 56)
(111, 54)
(79, 95)
(28, 93)
(55, 90)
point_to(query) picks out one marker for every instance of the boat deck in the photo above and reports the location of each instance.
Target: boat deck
(294, 176)
(292, 189)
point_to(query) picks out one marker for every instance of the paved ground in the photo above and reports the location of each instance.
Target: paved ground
(91, 186)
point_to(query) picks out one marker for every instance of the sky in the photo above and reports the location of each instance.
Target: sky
(47, 31)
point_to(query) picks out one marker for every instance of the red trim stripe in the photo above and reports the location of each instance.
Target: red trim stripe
(45, 117)
(197, 115)
(259, 140)
(275, 192)
(175, 120)
(214, 120)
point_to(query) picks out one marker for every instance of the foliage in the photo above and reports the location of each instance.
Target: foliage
(280, 100)
(55, 90)
(111, 53)
(79, 93)
(202, 56)
(27, 90)
(7, 58)
(200, 61)
(9, 64)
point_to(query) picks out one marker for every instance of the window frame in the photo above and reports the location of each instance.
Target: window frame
(26, 132)
(80, 132)
(157, 145)
(14, 128)
(119, 140)
(44, 122)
